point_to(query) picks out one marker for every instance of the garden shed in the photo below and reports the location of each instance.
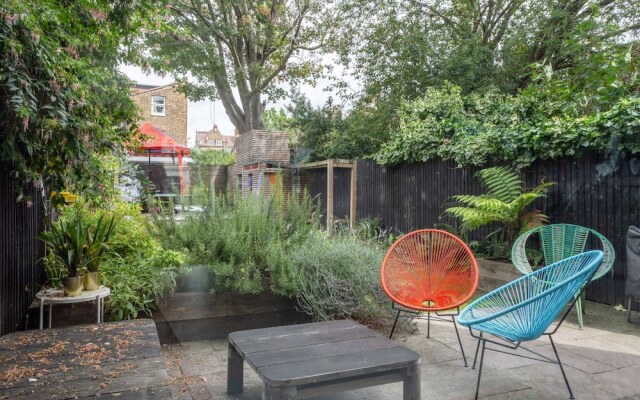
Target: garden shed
(260, 156)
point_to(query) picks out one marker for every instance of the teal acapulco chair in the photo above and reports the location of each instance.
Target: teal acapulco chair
(559, 241)
(524, 309)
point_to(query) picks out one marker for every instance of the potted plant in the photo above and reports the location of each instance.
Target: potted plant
(66, 243)
(77, 246)
(96, 247)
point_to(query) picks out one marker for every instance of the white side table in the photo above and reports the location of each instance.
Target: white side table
(56, 296)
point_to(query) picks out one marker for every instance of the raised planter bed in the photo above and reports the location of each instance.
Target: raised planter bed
(193, 313)
(495, 273)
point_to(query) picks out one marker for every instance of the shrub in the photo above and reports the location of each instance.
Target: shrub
(336, 277)
(212, 157)
(136, 284)
(239, 238)
(480, 128)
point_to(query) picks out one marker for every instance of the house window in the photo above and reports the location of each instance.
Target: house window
(158, 106)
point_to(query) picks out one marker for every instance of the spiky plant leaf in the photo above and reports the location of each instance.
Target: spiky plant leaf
(474, 218)
(520, 202)
(543, 188)
(503, 183)
(481, 202)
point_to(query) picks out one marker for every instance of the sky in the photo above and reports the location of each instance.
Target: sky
(202, 115)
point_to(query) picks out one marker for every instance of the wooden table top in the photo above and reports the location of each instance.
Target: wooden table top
(316, 352)
(122, 359)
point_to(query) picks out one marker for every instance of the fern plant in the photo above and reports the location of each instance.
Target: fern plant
(505, 203)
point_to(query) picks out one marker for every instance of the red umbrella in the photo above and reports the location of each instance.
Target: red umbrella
(162, 145)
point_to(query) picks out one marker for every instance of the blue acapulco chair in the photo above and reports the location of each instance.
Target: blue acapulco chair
(524, 309)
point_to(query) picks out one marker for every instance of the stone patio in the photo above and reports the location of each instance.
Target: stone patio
(602, 361)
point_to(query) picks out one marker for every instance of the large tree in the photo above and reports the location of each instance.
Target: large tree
(237, 50)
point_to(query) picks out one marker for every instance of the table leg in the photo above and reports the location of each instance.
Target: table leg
(50, 314)
(41, 313)
(278, 393)
(411, 383)
(102, 310)
(97, 309)
(235, 376)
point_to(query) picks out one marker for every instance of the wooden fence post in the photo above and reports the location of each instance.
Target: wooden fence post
(330, 197)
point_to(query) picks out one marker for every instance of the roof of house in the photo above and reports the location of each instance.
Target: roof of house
(142, 88)
(206, 138)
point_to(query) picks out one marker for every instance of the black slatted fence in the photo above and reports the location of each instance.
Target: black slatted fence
(595, 191)
(20, 271)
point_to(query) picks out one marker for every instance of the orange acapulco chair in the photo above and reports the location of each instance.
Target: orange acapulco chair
(429, 271)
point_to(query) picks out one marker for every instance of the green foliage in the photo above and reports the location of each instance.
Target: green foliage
(62, 98)
(277, 120)
(212, 157)
(243, 240)
(54, 270)
(106, 179)
(248, 46)
(553, 68)
(135, 267)
(136, 284)
(77, 244)
(337, 278)
(478, 129)
(504, 203)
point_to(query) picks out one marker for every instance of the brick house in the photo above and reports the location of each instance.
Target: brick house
(163, 107)
(214, 140)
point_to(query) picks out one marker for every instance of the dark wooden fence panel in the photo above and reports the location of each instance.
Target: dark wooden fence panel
(342, 184)
(19, 253)
(594, 191)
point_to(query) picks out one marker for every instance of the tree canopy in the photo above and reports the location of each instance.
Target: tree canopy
(237, 50)
(61, 96)
(557, 68)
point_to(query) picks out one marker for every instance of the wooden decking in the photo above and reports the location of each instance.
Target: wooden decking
(118, 359)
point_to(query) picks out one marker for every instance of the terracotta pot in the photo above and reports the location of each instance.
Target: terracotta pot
(72, 286)
(91, 280)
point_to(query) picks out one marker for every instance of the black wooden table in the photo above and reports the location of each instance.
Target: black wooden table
(110, 360)
(299, 361)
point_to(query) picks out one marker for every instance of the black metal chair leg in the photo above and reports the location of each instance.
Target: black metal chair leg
(561, 368)
(455, 326)
(475, 357)
(480, 368)
(394, 324)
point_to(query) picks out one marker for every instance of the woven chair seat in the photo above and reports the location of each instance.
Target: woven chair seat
(429, 270)
(560, 241)
(523, 309)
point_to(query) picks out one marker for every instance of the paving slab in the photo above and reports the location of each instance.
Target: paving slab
(602, 361)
